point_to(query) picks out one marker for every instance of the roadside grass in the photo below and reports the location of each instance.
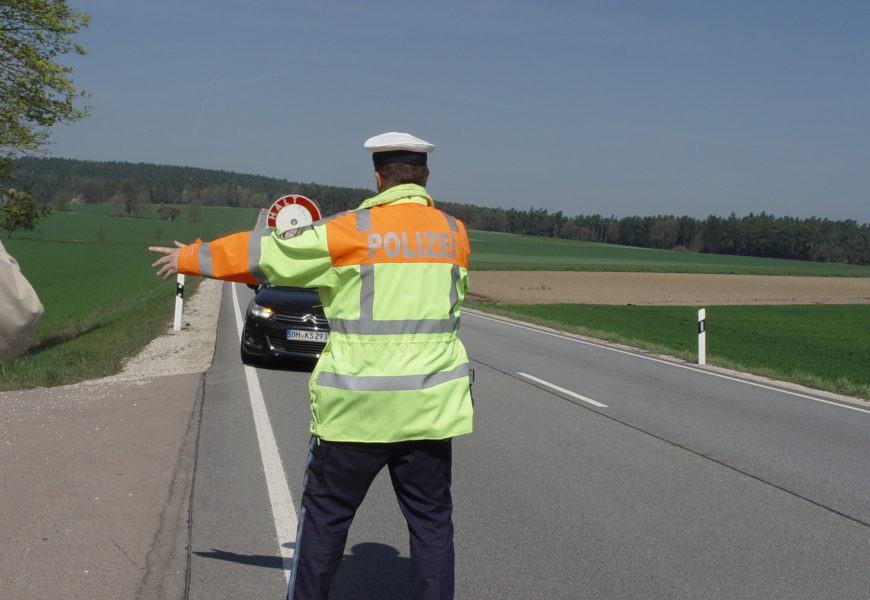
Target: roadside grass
(102, 301)
(819, 346)
(94, 347)
(509, 252)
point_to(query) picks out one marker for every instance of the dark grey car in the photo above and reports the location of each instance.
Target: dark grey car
(284, 322)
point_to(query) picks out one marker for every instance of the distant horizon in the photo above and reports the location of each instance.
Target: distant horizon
(372, 191)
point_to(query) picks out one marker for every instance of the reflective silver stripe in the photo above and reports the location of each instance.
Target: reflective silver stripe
(363, 220)
(390, 383)
(366, 292)
(394, 326)
(451, 222)
(203, 260)
(454, 291)
(254, 253)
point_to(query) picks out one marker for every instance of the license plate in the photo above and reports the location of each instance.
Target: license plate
(307, 336)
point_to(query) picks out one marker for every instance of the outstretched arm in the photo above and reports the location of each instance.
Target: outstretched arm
(167, 265)
(233, 257)
(242, 257)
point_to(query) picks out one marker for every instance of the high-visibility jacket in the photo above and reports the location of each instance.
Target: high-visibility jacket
(391, 275)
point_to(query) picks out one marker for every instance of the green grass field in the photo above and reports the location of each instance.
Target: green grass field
(821, 346)
(103, 302)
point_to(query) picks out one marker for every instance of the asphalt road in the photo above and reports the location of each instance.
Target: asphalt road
(633, 477)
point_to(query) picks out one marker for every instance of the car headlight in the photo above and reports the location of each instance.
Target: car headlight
(262, 312)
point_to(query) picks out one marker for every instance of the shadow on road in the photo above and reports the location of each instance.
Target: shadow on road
(372, 571)
(256, 560)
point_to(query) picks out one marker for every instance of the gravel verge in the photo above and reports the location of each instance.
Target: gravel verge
(175, 352)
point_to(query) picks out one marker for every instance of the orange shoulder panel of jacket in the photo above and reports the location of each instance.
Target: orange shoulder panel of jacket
(398, 233)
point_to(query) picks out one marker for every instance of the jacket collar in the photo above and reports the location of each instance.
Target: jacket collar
(406, 192)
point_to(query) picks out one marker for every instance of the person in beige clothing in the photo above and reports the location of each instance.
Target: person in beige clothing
(20, 309)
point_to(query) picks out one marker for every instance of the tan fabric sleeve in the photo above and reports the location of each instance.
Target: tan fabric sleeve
(20, 308)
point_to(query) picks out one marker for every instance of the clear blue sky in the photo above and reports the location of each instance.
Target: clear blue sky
(609, 107)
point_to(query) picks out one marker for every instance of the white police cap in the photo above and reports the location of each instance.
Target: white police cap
(395, 146)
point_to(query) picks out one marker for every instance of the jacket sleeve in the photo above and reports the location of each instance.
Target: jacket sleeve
(20, 309)
(261, 256)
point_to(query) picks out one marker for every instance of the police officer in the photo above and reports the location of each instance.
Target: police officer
(392, 386)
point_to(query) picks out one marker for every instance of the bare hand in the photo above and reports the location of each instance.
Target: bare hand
(168, 263)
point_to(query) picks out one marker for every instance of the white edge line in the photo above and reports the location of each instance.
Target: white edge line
(283, 513)
(563, 390)
(665, 362)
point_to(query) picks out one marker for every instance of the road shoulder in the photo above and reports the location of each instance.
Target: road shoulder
(96, 489)
(97, 476)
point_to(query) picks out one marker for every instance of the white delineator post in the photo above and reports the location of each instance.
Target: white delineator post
(179, 300)
(702, 336)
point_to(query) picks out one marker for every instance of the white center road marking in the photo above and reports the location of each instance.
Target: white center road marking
(563, 390)
(664, 362)
(283, 512)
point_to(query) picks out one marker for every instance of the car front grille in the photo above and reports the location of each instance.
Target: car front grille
(296, 345)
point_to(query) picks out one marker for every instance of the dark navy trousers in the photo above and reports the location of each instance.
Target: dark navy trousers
(337, 478)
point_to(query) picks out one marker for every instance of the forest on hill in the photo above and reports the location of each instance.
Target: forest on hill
(128, 187)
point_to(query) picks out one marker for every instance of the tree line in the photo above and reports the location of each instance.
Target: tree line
(761, 235)
(127, 187)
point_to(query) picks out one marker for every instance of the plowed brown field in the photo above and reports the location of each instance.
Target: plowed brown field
(687, 289)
